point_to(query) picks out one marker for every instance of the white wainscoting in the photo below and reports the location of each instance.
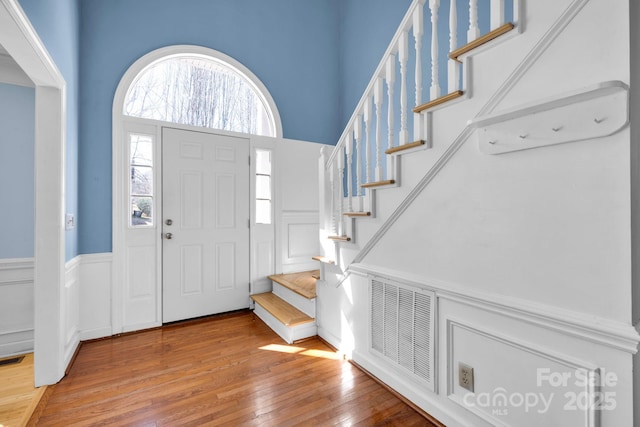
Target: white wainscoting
(299, 232)
(16, 306)
(531, 363)
(95, 296)
(85, 300)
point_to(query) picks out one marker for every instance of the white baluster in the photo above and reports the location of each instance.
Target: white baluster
(474, 31)
(357, 134)
(454, 67)
(497, 13)
(340, 161)
(418, 30)
(403, 53)
(434, 5)
(348, 144)
(377, 100)
(367, 138)
(391, 78)
(334, 205)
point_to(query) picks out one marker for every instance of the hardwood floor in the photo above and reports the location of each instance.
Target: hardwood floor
(18, 396)
(231, 370)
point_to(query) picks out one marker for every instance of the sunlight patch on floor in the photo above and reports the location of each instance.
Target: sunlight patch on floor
(303, 351)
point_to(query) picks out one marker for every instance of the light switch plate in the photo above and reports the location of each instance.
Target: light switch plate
(69, 221)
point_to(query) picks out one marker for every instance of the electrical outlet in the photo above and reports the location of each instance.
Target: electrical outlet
(465, 376)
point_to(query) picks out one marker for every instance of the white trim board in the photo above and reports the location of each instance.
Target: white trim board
(21, 41)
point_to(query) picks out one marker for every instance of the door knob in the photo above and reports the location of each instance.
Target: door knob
(168, 236)
(169, 222)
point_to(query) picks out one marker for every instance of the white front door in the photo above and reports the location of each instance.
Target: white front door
(205, 202)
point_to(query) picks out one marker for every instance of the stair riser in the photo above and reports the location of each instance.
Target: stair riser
(288, 333)
(307, 306)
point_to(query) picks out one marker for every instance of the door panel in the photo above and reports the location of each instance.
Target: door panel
(206, 211)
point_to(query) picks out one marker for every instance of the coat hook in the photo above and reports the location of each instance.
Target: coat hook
(556, 129)
(598, 121)
(523, 136)
(492, 142)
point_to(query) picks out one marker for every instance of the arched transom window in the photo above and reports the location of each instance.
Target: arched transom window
(199, 90)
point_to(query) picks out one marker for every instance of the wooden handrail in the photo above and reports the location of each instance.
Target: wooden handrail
(340, 238)
(481, 40)
(404, 147)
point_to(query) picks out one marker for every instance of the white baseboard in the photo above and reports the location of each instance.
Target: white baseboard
(16, 342)
(333, 340)
(414, 392)
(93, 334)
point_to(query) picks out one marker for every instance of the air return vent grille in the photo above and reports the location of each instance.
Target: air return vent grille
(402, 326)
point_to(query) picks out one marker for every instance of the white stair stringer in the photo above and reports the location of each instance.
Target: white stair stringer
(305, 305)
(290, 334)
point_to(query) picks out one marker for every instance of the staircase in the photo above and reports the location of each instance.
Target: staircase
(290, 309)
(357, 177)
(368, 157)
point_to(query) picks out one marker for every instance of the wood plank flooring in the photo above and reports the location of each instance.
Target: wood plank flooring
(18, 396)
(230, 370)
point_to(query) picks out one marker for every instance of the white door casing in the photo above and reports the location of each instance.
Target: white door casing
(135, 307)
(205, 226)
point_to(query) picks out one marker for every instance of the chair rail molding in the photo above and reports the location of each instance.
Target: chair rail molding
(609, 333)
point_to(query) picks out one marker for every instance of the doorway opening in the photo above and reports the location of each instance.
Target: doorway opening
(191, 105)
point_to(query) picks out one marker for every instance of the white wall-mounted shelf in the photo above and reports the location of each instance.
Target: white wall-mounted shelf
(592, 112)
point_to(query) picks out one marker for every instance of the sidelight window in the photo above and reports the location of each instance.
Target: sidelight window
(263, 187)
(141, 183)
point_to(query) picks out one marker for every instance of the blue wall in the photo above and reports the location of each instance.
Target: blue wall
(366, 28)
(17, 127)
(291, 45)
(314, 56)
(57, 24)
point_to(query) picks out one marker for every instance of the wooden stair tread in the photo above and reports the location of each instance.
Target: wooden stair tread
(378, 183)
(281, 310)
(405, 147)
(481, 40)
(323, 259)
(303, 283)
(357, 214)
(340, 238)
(438, 101)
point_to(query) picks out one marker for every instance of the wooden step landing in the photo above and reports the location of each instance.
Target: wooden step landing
(438, 101)
(357, 214)
(481, 40)
(378, 183)
(281, 310)
(323, 259)
(303, 283)
(404, 147)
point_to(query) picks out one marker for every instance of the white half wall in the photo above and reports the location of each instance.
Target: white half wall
(297, 215)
